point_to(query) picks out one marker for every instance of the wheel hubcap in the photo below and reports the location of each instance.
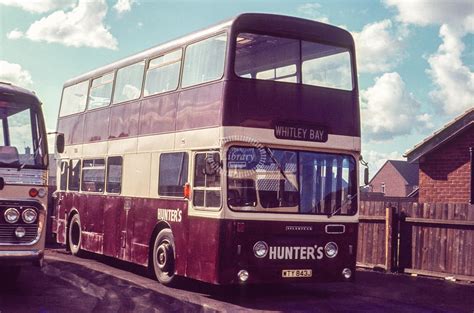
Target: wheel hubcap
(162, 256)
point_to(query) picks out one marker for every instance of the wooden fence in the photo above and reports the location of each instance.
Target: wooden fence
(396, 234)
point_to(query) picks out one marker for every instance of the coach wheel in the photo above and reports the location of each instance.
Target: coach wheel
(163, 257)
(74, 235)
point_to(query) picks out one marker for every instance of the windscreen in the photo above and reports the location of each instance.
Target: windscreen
(265, 57)
(22, 138)
(277, 180)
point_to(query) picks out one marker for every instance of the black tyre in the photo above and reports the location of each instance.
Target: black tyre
(163, 261)
(74, 235)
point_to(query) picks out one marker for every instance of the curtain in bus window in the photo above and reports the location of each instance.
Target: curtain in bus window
(173, 174)
(128, 84)
(163, 73)
(326, 66)
(63, 177)
(114, 175)
(267, 57)
(204, 61)
(100, 91)
(325, 183)
(2, 134)
(74, 99)
(93, 175)
(74, 175)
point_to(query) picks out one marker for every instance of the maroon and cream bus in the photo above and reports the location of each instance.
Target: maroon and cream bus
(23, 181)
(228, 156)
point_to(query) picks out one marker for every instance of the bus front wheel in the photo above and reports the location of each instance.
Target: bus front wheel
(74, 235)
(163, 257)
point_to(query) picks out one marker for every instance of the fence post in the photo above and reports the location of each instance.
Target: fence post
(388, 239)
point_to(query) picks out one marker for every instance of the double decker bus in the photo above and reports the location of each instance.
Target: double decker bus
(23, 180)
(228, 156)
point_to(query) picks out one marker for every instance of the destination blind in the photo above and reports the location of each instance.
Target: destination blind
(300, 132)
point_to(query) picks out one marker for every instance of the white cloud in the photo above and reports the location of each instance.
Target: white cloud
(15, 34)
(123, 6)
(39, 6)
(15, 74)
(377, 159)
(453, 81)
(82, 26)
(311, 11)
(371, 43)
(427, 12)
(389, 110)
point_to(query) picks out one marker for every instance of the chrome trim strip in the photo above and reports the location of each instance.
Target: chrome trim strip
(31, 254)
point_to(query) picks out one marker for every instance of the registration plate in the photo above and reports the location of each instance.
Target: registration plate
(296, 273)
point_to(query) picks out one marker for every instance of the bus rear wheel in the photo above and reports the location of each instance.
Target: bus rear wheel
(163, 257)
(74, 235)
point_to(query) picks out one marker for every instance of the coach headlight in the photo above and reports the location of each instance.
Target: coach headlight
(260, 249)
(330, 249)
(11, 215)
(29, 216)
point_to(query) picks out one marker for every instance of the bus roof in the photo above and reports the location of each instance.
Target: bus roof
(12, 93)
(259, 20)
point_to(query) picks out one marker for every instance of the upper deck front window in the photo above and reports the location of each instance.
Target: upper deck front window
(266, 57)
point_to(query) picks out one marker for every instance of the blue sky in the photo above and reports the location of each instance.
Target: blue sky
(415, 57)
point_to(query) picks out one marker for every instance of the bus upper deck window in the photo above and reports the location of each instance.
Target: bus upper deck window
(100, 91)
(326, 66)
(128, 84)
(265, 57)
(74, 99)
(162, 74)
(204, 60)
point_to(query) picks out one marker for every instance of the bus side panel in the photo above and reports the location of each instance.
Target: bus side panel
(124, 120)
(200, 107)
(92, 222)
(113, 208)
(60, 229)
(94, 131)
(72, 127)
(204, 238)
(158, 114)
(145, 215)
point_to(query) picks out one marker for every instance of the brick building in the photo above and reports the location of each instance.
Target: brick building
(395, 179)
(446, 162)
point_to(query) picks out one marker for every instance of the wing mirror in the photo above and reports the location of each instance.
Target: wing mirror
(60, 142)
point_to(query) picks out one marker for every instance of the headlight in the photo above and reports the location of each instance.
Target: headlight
(330, 249)
(11, 215)
(260, 249)
(29, 216)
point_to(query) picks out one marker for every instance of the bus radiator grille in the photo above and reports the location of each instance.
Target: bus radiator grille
(7, 234)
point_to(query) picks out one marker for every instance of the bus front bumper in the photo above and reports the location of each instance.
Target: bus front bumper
(19, 257)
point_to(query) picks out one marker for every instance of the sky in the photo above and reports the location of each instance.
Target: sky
(415, 58)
